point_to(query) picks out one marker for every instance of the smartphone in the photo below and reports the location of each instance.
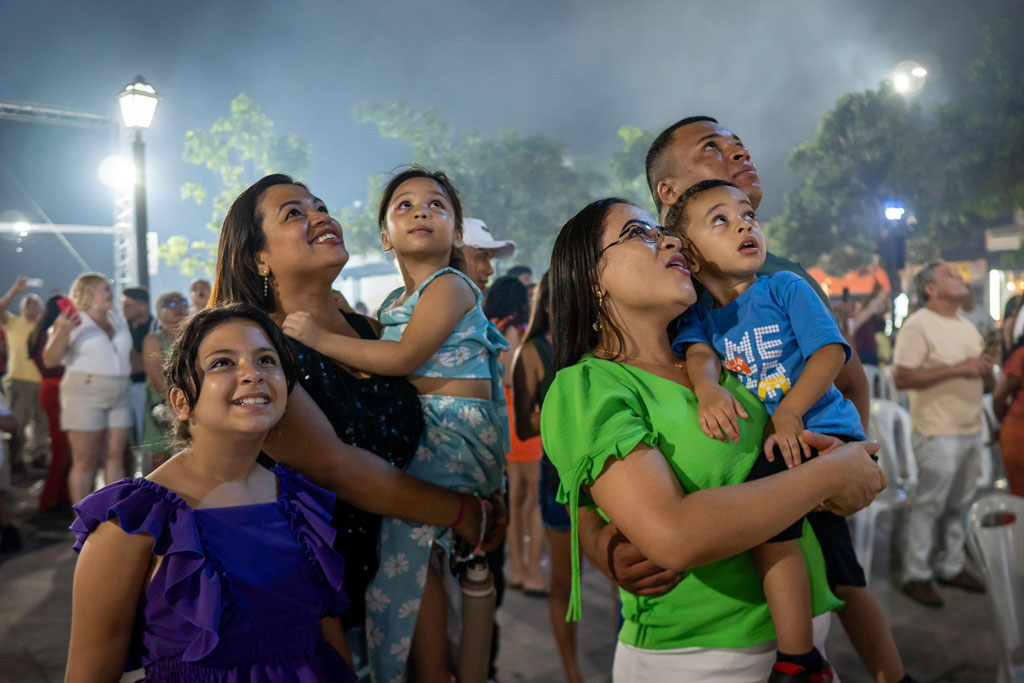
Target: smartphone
(66, 306)
(34, 282)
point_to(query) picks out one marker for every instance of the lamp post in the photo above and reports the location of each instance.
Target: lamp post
(893, 242)
(138, 104)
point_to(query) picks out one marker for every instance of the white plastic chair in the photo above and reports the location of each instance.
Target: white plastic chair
(890, 426)
(881, 385)
(874, 374)
(995, 535)
(990, 453)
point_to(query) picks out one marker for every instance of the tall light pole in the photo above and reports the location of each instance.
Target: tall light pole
(893, 242)
(138, 104)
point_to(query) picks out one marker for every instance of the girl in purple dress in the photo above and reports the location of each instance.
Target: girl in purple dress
(213, 567)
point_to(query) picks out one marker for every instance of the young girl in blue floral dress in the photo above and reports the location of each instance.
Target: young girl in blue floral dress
(434, 330)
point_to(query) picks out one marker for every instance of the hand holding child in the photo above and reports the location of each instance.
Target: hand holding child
(785, 430)
(301, 327)
(717, 413)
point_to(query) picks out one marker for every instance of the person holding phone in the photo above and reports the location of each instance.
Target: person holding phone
(93, 344)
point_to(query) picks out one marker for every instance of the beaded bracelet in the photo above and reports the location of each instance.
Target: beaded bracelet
(478, 551)
(462, 511)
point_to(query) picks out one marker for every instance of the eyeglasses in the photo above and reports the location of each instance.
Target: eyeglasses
(652, 234)
(175, 304)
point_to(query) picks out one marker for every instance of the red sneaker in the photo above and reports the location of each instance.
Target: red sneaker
(787, 672)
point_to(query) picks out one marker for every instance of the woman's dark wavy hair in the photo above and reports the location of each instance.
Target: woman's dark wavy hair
(508, 298)
(51, 311)
(181, 369)
(236, 278)
(416, 171)
(540, 318)
(574, 284)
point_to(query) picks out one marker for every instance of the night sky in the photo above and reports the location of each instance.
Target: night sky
(574, 71)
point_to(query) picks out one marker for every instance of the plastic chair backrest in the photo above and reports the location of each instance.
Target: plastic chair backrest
(891, 426)
(874, 374)
(880, 383)
(995, 534)
(989, 453)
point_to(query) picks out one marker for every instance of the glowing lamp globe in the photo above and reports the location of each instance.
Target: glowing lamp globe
(138, 103)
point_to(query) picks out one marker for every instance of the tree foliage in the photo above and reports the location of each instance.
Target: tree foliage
(239, 149)
(956, 166)
(523, 187)
(627, 169)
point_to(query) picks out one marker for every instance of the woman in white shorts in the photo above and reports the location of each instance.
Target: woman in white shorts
(92, 343)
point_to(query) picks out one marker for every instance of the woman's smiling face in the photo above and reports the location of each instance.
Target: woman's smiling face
(300, 234)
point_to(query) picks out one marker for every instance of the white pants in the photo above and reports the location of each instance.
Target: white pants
(705, 665)
(947, 481)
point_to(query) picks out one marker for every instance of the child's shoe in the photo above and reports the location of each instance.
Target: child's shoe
(787, 672)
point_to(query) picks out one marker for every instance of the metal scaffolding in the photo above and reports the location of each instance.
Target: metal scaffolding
(123, 230)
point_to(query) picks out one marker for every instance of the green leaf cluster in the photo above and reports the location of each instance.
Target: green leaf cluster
(523, 186)
(238, 149)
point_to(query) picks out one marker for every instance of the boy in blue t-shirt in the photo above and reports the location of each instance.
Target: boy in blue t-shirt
(775, 335)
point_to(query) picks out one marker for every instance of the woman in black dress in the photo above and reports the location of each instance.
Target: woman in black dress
(349, 432)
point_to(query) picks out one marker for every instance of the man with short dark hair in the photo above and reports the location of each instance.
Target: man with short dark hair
(522, 273)
(692, 150)
(135, 306)
(938, 358)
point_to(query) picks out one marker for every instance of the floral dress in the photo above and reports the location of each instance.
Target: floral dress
(463, 448)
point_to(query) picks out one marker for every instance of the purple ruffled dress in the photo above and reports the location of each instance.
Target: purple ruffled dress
(241, 590)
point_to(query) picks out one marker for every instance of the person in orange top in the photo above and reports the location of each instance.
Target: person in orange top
(1008, 405)
(508, 307)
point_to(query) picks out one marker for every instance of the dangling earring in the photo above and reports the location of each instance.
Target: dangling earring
(600, 302)
(266, 286)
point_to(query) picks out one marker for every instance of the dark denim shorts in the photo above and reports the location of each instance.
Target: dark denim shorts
(554, 515)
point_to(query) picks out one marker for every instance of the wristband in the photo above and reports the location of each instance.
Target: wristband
(462, 511)
(479, 550)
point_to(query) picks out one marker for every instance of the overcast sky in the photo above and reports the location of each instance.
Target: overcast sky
(574, 71)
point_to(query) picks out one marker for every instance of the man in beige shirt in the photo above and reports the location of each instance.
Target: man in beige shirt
(938, 359)
(22, 381)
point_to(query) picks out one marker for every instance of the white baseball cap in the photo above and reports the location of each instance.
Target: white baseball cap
(476, 234)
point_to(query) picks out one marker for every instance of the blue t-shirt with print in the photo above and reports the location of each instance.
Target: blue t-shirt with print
(765, 336)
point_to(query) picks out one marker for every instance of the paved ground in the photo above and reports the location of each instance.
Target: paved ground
(956, 644)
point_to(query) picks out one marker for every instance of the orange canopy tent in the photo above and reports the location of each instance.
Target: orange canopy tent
(860, 281)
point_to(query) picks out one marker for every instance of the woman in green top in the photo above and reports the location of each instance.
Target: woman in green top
(171, 308)
(617, 281)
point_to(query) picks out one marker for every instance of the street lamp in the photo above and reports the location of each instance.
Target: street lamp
(138, 104)
(893, 241)
(908, 77)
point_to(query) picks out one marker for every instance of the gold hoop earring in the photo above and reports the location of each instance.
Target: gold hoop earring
(600, 303)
